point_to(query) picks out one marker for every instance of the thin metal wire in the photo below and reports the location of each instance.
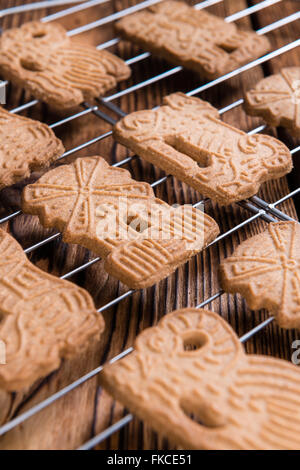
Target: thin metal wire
(109, 43)
(235, 72)
(283, 199)
(250, 207)
(256, 329)
(260, 213)
(245, 204)
(244, 68)
(251, 10)
(74, 116)
(174, 70)
(281, 215)
(278, 24)
(64, 391)
(106, 433)
(24, 416)
(112, 17)
(36, 6)
(109, 133)
(142, 5)
(90, 444)
(206, 3)
(80, 268)
(128, 11)
(10, 216)
(72, 10)
(84, 145)
(34, 247)
(295, 150)
(198, 6)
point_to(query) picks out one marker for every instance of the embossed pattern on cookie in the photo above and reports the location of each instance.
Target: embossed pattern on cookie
(55, 68)
(43, 319)
(25, 145)
(266, 271)
(186, 138)
(190, 379)
(105, 210)
(144, 261)
(197, 40)
(277, 99)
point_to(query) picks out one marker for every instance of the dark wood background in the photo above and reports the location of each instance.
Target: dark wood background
(88, 410)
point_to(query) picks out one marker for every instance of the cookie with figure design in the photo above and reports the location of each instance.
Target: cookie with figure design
(277, 99)
(25, 145)
(61, 71)
(102, 208)
(190, 380)
(196, 40)
(265, 269)
(43, 319)
(186, 138)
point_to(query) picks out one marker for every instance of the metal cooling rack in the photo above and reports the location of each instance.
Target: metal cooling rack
(255, 205)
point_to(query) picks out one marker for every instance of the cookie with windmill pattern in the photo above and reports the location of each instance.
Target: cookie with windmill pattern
(277, 99)
(25, 145)
(61, 71)
(196, 40)
(102, 208)
(43, 319)
(265, 269)
(190, 380)
(186, 138)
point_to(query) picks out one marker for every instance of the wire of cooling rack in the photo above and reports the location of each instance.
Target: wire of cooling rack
(70, 11)
(106, 101)
(261, 209)
(37, 6)
(201, 5)
(96, 440)
(278, 213)
(94, 109)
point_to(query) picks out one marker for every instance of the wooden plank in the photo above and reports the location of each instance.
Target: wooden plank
(88, 410)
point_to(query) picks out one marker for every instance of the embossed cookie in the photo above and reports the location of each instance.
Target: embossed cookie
(105, 210)
(277, 100)
(56, 69)
(25, 146)
(190, 379)
(146, 260)
(43, 319)
(266, 271)
(186, 138)
(194, 39)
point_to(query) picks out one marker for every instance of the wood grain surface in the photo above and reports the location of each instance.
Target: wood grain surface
(86, 411)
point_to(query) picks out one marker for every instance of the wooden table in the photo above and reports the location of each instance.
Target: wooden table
(86, 411)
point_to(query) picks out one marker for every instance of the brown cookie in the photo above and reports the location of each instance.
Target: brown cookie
(265, 269)
(105, 210)
(56, 69)
(43, 319)
(277, 99)
(190, 380)
(25, 146)
(194, 39)
(145, 261)
(186, 138)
